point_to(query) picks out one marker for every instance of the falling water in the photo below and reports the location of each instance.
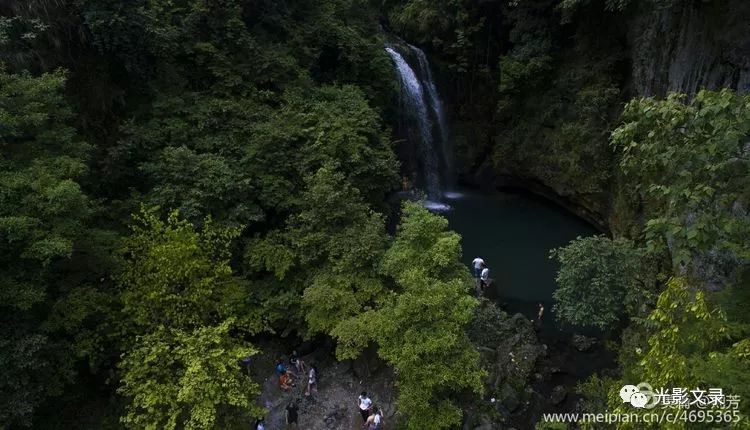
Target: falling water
(413, 100)
(437, 108)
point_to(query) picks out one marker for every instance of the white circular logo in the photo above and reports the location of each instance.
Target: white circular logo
(640, 396)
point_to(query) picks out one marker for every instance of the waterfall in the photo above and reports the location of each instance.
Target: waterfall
(412, 97)
(423, 109)
(437, 108)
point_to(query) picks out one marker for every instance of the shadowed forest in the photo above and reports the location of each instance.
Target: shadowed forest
(192, 189)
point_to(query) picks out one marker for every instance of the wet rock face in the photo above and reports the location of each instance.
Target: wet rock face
(509, 349)
(691, 45)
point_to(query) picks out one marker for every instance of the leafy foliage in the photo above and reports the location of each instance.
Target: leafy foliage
(688, 160)
(556, 102)
(420, 329)
(264, 124)
(185, 308)
(684, 322)
(44, 217)
(686, 347)
(177, 277)
(599, 279)
(325, 255)
(189, 380)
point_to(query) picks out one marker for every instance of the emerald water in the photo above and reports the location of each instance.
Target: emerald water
(514, 232)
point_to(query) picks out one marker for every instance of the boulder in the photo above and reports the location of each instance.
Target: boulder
(583, 343)
(509, 351)
(559, 393)
(509, 398)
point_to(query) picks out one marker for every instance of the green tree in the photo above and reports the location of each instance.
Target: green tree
(420, 326)
(686, 337)
(685, 323)
(598, 281)
(556, 102)
(326, 255)
(188, 379)
(687, 159)
(185, 312)
(44, 218)
(177, 277)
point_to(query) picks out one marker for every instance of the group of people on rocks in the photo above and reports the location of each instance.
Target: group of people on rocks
(481, 274)
(372, 415)
(286, 376)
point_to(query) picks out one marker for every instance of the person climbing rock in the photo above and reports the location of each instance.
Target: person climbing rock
(292, 415)
(540, 313)
(297, 363)
(365, 404)
(312, 380)
(477, 264)
(484, 278)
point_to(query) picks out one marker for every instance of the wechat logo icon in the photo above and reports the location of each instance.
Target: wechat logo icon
(640, 396)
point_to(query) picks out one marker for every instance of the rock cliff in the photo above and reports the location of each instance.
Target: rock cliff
(691, 45)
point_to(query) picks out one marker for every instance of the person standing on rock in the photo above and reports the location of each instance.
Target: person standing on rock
(477, 264)
(312, 380)
(295, 361)
(260, 424)
(292, 415)
(365, 404)
(405, 184)
(375, 421)
(484, 277)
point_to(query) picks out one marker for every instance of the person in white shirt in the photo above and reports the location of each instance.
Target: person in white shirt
(312, 380)
(484, 278)
(260, 424)
(375, 421)
(477, 263)
(365, 404)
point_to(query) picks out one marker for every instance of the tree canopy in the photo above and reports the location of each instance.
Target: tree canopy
(183, 180)
(599, 279)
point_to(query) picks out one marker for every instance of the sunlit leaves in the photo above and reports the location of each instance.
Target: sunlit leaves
(420, 330)
(688, 161)
(176, 276)
(188, 379)
(186, 312)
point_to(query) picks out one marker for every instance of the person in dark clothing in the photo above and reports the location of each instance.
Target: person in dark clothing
(292, 416)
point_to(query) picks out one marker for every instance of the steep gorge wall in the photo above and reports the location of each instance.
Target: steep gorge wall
(691, 45)
(566, 80)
